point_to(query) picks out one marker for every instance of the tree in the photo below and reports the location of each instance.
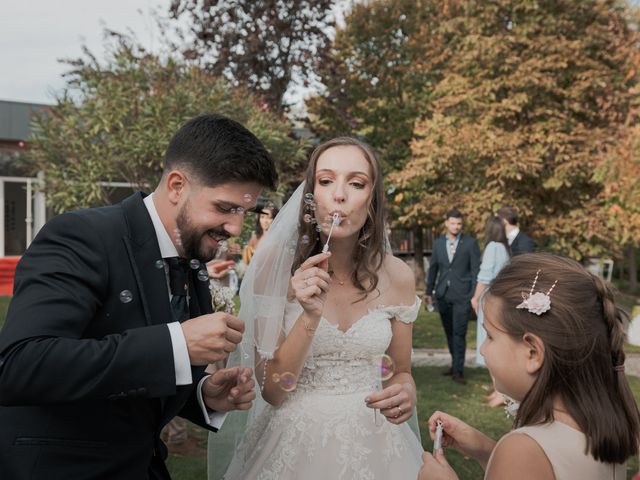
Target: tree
(266, 46)
(114, 121)
(373, 88)
(531, 99)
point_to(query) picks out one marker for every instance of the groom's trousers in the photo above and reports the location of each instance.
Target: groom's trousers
(455, 319)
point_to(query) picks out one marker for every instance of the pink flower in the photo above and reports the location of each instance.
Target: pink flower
(537, 303)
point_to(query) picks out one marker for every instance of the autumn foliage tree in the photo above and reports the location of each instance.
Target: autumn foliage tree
(531, 101)
(373, 88)
(115, 119)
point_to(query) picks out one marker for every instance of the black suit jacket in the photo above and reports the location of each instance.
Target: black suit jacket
(522, 244)
(455, 281)
(87, 376)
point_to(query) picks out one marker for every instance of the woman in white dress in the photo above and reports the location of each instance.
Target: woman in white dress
(321, 323)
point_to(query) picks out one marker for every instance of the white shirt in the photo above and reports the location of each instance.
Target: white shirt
(511, 236)
(181, 360)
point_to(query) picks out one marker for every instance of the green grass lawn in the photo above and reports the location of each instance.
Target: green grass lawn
(435, 392)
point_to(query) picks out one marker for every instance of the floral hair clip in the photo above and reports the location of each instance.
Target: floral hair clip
(538, 302)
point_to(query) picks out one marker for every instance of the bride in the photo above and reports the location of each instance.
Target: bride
(330, 333)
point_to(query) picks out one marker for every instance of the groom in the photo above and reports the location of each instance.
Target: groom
(110, 326)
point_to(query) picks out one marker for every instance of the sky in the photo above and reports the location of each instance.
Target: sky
(34, 34)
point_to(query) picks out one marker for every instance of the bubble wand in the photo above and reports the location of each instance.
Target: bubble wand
(437, 441)
(334, 222)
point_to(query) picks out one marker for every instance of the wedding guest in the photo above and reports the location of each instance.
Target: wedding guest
(554, 343)
(519, 241)
(332, 405)
(494, 257)
(111, 326)
(453, 271)
(263, 222)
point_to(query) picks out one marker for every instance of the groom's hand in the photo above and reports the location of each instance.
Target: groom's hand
(210, 338)
(229, 389)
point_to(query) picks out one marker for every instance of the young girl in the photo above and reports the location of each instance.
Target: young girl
(554, 343)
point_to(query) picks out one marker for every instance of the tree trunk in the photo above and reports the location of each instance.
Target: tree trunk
(633, 269)
(418, 256)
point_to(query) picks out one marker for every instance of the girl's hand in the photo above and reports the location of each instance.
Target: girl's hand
(461, 436)
(436, 467)
(474, 304)
(396, 402)
(310, 284)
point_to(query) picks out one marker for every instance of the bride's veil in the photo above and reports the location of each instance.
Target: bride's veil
(263, 298)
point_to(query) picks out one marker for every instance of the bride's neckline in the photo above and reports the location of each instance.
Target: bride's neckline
(371, 311)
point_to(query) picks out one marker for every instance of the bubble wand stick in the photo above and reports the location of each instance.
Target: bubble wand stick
(334, 222)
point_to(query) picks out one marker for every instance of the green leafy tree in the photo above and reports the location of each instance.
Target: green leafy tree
(531, 100)
(114, 121)
(266, 46)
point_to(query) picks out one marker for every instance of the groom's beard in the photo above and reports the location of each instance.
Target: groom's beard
(192, 238)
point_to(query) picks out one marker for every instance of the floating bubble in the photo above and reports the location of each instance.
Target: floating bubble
(247, 197)
(275, 377)
(194, 263)
(387, 368)
(126, 296)
(270, 206)
(292, 251)
(203, 275)
(318, 228)
(314, 221)
(305, 239)
(233, 211)
(288, 382)
(307, 218)
(308, 198)
(159, 264)
(245, 356)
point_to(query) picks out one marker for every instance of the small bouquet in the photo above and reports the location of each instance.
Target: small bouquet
(222, 298)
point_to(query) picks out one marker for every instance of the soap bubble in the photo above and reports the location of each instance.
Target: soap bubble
(248, 197)
(203, 275)
(159, 264)
(126, 296)
(288, 382)
(305, 239)
(194, 263)
(387, 367)
(308, 198)
(307, 218)
(275, 377)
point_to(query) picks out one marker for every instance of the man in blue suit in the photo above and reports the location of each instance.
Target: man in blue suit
(453, 271)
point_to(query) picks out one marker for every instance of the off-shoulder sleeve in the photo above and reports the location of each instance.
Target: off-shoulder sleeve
(405, 314)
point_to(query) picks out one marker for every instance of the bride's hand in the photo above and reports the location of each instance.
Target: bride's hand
(310, 283)
(396, 402)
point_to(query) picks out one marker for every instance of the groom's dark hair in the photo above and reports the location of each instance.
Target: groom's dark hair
(217, 150)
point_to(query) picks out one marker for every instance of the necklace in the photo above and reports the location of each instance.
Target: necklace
(333, 275)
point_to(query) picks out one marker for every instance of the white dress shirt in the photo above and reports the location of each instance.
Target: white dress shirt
(511, 236)
(181, 360)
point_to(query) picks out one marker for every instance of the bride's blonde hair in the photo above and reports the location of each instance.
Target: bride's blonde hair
(369, 251)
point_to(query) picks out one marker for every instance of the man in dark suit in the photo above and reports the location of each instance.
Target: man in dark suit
(111, 326)
(519, 241)
(453, 270)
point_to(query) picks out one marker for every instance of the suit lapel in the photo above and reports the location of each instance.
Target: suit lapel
(458, 248)
(445, 253)
(144, 253)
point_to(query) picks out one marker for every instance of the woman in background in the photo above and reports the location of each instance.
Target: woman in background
(495, 256)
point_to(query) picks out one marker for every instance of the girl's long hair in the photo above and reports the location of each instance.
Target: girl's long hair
(369, 251)
(583, 334)
(494, 232)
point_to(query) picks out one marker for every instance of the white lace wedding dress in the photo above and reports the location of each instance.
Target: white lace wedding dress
(323, 430)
